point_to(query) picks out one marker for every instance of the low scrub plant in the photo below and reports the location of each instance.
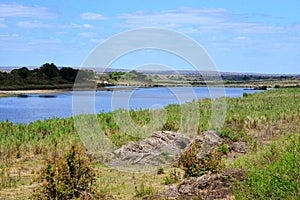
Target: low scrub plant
(174, 177)
(160, 171)
(69, 177)
(195, 165)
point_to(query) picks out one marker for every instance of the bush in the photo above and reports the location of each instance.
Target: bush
(67, 178)
(277, 86)
(195, 165)
(246, 94)
(160, 171)
(173, 177)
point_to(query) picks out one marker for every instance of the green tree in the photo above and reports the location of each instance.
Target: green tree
(50, 70)
(115, 75)
(23, 72)
(68, 73)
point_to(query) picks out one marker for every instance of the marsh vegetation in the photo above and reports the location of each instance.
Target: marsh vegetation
(269, 122)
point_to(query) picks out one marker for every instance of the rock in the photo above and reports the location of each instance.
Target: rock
(172, 193)
(161, 148)
(207, 186)
(239, 147)
(207, 141)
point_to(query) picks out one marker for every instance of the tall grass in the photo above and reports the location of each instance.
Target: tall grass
(273, 172)
(38, 138)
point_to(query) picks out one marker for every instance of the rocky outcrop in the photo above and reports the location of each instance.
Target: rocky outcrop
(217, 185)
(207, 141)
(165, 147)
(210, 186)
(239, 147)
(161, 148)
(207, 186)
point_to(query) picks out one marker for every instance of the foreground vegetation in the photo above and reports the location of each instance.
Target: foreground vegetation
(269, 122)
(273, 172)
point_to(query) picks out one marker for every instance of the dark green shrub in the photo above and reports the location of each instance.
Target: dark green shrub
(277, 86)
(160, 171)
(245, 94)
(67, 178)
(195, 165)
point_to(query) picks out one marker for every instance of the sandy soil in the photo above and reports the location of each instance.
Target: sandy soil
(17, 92)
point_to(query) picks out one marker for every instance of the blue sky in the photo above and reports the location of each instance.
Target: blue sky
(240, 36)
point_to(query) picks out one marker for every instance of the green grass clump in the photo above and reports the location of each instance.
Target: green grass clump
(142, 190)
(273, 173)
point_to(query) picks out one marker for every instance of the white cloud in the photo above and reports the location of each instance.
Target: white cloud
(39, 24)
(96, 40)
(18, 10)
(44, 41)
(167, 18)
(33, 24)
(87, 26)
(197, 20)
(7, 37)
(86, 34)
(2, 24)
(93, 16)
(241, 38)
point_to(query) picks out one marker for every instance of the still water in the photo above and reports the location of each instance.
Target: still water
(30, 108)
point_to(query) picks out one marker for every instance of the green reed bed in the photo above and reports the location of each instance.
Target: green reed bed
(261, 114)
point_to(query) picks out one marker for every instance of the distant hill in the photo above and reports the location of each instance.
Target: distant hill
(167, 72)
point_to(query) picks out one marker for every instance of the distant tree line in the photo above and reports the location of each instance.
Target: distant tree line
(47, 76)
(247, 78)
(133, 75)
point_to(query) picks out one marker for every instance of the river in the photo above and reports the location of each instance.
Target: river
(29, 108)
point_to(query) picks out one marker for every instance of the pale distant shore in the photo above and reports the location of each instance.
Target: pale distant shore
(18, 92)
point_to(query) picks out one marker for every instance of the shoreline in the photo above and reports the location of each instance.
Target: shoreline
(7, 93)
(19, 92)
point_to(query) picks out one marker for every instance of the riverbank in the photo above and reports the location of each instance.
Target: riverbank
(7, 93)
(135, 85)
